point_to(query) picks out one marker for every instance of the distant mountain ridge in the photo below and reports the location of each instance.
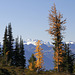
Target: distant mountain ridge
(31, 41)
(29, 46)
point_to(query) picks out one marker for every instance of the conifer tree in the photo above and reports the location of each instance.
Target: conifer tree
(5, 46)
(56, 28)
(16, 57)
(22, 54)
(10, 43)
(39, 55)
(65, 63)
(32, 63)
(68, 59)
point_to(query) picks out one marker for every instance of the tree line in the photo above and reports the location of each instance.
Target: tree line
(12, 55)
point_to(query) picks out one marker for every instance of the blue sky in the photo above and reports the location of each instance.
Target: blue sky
(29, 18)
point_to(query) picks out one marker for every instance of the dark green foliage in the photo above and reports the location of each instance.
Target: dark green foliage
(74, 67)
(13, 57)
(11, 70)
(16, 57)
(0, 50)
(32, 60)
(68, 59)
(4, 72)
(7, 51)
(22, 52)
(5, 42)
(5, 46)
(10, 43)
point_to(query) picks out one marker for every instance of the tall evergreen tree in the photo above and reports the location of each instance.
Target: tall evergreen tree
(56, 28)
(22, 54)
(10, 43)
(16, 56)
(68, 59)
(5, 46)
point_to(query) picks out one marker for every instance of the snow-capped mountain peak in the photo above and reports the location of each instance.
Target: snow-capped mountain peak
(31, 41)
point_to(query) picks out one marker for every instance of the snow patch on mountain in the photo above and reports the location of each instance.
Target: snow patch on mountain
(31, 41)
(70, 42)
